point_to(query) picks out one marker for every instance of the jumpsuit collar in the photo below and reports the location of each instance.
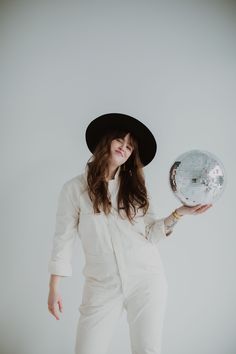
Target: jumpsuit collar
(114, 180)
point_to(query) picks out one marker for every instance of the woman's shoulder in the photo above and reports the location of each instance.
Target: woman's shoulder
(77, 182)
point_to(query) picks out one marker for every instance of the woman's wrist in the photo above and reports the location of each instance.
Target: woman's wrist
(54, 281)
(177, 215)
(171, 221)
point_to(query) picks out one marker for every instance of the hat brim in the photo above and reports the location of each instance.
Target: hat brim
(110, 121)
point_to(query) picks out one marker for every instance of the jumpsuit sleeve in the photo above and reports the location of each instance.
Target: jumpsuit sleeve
(154, 227)
(67, 218)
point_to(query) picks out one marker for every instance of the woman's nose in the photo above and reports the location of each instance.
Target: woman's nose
(122, 148)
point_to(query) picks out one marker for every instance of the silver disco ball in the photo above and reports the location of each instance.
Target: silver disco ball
(197, 177)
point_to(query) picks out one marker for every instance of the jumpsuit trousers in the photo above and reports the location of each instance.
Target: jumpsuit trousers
(144, 300)
(123, 270)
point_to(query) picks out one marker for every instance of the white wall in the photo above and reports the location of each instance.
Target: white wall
(169, 64)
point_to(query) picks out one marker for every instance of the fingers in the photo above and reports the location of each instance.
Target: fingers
(196, 207)
(60, 306)
(202, 208)
(54, 312)
(52, 309)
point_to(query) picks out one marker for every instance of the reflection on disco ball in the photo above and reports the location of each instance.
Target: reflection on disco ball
(197, 177)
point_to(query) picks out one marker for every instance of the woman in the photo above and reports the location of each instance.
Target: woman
(110, 209)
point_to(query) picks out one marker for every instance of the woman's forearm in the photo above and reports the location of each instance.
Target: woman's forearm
(170, 221)
(54, 281)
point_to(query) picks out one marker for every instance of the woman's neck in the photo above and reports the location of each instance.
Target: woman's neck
(112, 174)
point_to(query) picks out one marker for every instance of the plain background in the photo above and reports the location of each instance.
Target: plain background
(169, 64)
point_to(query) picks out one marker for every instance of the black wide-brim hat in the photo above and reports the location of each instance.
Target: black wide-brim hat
(107, 122)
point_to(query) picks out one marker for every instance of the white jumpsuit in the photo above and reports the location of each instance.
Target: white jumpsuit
(123, 269)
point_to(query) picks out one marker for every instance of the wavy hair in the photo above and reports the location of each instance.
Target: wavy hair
(132, 194)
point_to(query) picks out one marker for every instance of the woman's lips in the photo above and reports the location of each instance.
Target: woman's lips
(119, 152)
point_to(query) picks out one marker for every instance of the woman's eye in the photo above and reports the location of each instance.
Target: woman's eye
(120, 139)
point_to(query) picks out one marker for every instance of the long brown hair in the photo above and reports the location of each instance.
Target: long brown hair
(132, 194)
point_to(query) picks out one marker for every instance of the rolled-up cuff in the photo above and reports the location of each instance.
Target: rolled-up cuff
(64, 270)
(157, 231)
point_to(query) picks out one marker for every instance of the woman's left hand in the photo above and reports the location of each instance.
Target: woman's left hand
(196, 209)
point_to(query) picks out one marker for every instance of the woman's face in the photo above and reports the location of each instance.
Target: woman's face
(121, 149)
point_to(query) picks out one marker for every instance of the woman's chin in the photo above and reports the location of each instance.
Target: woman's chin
(117, 161)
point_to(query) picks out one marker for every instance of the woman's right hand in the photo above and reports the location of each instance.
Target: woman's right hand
(54, 302)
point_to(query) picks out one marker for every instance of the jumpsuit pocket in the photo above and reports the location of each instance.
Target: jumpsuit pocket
(93, 233)
(141, 236)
